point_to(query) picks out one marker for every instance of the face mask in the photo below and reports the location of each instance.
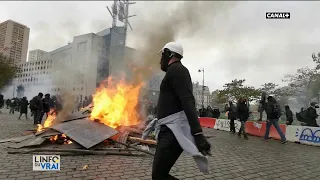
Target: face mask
(165, 58)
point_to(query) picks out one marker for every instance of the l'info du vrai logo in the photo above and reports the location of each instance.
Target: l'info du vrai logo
(46, 162)
(277, 15)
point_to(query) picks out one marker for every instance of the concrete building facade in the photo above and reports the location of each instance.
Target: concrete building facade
(37, 54)
(78, 67)
(17, 34)
(197, 92)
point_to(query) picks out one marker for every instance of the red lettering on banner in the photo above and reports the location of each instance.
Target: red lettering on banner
(207, 122)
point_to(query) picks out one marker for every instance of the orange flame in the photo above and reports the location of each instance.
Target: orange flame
(116, 105)
(48, 122)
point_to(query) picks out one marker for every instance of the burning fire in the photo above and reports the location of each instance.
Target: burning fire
(63, 138)
(49, 121)
(116, 105)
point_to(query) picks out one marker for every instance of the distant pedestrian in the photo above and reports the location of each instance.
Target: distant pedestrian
(48, 105)
(216, 112)
(8, 101)
(37, 105)
(13, 104)
(209, 112)
(24, 107)
(312, 115)
(289, 115)
(273, 115)
(243, 114)
(232, 115)
(1, 101)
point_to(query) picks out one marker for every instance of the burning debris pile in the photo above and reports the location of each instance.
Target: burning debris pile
(111, 125)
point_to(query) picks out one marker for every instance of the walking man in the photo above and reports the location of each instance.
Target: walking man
(24, 107)
(38, 108)
(273, 115)
(179, 128)
(289, 115)
(232, 115)
(243, 113)
(13, 104)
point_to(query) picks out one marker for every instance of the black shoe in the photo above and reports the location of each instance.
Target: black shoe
(239, 134)
(246, 137)
(283, 142)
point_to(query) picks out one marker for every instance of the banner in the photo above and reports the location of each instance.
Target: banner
(303, 135)
(259, 129)
(224, 125)
(207, 122)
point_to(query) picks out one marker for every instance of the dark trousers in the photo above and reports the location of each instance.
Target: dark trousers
(243, 128)
(23, 113)
(37, 117)
(167, 153)
(11, 110)
(232, 127)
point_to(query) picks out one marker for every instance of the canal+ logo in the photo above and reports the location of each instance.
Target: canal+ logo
(277, 15)
(46, 162)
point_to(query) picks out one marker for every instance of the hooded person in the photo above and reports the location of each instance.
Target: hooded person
(177, 126)
(312, 115)
(24, 107)
(273, 111)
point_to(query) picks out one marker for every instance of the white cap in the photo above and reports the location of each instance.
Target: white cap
(173, 47)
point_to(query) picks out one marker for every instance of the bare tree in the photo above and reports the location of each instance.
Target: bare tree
(8, 70)
(301, 82)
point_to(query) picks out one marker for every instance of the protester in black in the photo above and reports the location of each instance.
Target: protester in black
(209, 112)
(37, 105)
(48, 105)
(232, 115)
(202, 112)
(1, 101)
(243, 113)
(13, 104)
(24, 107)
(289, 115)
(175, 96)
(312, 115)
(8, 101)
(273, 111)
(216, 112)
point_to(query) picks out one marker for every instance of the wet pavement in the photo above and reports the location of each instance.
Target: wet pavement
(233, 158)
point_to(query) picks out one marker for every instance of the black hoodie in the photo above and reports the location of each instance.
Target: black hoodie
(176, 95)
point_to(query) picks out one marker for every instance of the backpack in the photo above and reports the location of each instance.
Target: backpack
(276, 110)
(33, 102)
(302, 116)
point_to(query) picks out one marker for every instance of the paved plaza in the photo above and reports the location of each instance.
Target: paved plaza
(233, 158)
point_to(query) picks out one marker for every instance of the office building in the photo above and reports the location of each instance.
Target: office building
(78, 67)
(37, 54)
(15, 36)
(197, 92)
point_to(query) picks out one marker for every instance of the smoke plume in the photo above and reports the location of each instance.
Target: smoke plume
(185, 19)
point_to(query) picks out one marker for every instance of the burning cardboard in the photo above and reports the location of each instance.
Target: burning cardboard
(17, 139)
(35, 141)
(85, 132)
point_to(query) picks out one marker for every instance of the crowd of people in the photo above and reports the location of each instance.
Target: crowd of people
(209, 112)
(38, 105)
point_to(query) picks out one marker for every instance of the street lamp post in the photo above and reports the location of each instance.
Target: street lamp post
(202, 101)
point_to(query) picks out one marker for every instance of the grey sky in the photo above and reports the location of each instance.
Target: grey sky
(235, 43)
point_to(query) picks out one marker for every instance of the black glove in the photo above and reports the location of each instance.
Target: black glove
(202, 144)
